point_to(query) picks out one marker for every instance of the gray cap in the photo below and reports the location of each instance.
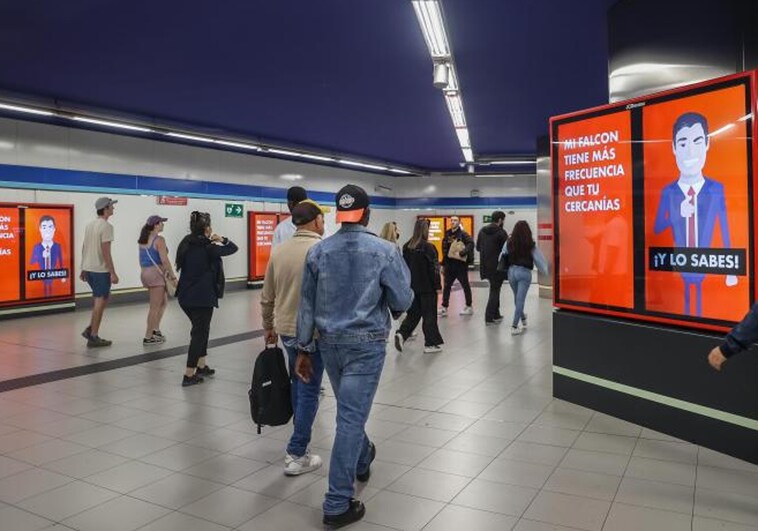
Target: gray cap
(104, 202)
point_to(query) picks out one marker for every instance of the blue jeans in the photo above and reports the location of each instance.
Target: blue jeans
(304, 398)
(520, 279)
(354, 371)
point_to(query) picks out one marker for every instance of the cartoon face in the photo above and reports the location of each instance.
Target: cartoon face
(454, 222)
(47, 230)
(690, 149)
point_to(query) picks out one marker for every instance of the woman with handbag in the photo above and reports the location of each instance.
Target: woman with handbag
(156, 275)
(519, 256)
(201, 285)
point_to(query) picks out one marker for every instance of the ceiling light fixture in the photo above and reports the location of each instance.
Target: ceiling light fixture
(455, 106)
(27, 110)
(238, 145)
(111, 124)
(362, 165)
(511, 162)
(288, 153)
(432, 24)
(190, 137)
(468, 155)
(397, 170)
(463, 137)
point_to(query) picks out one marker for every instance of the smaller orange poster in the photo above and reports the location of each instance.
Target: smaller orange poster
(48, 268)
(262, 227)
(10, 248)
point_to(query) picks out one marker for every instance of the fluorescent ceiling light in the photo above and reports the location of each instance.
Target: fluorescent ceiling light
(727, 127)
(287, 153)
(463, 137)
(112, 124)
(746, 117)
(238, 145)
(362, 165)
(190, 137)
(468, 154)
(429, 16)
(452, 81)
(489, 175)
(455, 106)
(512, 162)
(396, 170)
(28, 110)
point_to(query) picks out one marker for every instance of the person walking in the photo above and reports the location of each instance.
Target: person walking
(352, 281)
(489, 243)
(424, 265)
(201, 285)
(286, 229)
(98, 269)
(155, 271)
(523, 255)
(457, 255)
(279, 303)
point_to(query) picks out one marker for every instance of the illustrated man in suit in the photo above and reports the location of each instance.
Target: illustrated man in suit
(692, 204)
(47, 254)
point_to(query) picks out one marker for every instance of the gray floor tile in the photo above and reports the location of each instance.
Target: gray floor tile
(599, 442)
(229, 506)
(495, 497)
(176, 490)
(403, 453)
(517, 473)
(571, 511)
(184, 522)
(225, 468)
(497, 428)
(15, 519)
(708, 524)
(313, 495)
(665, 471)
(401, 512)
(120, 514)
(600, 462)
(85, 463)
(47, 451)
(286, 517)
(425, 436)
(9, 466)
(667, 451)
(455, 518)
(583, 483)
(429, 484)
(29, 483)
(128, 476)
(632, 518)
(478, 444)
(272, 482)
(541, 454)
(452, 462)
(68, 500)
(601, 423)
(719, 505)
(666, 496)
(737, 481)
(532, 525)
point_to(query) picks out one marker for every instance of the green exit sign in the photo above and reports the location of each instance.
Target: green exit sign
(234, 210)
(487, 219)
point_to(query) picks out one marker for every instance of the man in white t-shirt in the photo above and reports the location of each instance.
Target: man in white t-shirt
(286, 229)
(97, 268)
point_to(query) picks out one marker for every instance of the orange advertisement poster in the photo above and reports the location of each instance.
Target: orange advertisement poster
(467, 223)
(262, 227)
(48, 268)
(10, 249)
(595, 211)
(697, 218)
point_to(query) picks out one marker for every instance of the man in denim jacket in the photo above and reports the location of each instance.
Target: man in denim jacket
(744, 334)
(351, 283)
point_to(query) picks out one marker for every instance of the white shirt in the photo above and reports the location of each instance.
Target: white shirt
(96, 233)
(685, 188)
(283, 232)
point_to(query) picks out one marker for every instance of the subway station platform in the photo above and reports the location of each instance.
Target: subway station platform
(471, 438)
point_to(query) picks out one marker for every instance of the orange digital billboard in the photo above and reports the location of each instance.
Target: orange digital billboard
(36, 253)
(261, 227)
(439, 224)
(653, 205)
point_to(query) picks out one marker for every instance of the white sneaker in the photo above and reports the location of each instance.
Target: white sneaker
(468, 310)
(413, 335)
(399, 341)
(442, 312)
(294, 466)
(433, 349)
(516, 330)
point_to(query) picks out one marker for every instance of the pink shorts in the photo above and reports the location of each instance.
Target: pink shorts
(152, 277)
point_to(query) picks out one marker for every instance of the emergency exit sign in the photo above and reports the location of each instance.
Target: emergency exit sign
(234, 210)
(487, 219)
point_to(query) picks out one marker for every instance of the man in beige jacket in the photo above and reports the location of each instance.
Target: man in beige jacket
(280, 301)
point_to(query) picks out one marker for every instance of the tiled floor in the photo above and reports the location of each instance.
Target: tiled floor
(468, 439)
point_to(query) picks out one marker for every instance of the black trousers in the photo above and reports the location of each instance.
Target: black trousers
(456, 270)
(493, 303)
(424, 307)
(201, 329)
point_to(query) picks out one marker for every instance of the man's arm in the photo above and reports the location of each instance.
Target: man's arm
(744, 334)
(468, 241)
(479, 241)
(396, 281)
(306, 319)
(106, 247)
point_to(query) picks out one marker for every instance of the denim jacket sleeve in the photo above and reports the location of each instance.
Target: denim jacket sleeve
(742, 335)
(396, 281)
(539, 260)
(306, 324)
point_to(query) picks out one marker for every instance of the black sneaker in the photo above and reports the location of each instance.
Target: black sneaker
(158, 333)
(87, 333)
(363, 478)
(205, 371)
(355, 512)
(152, 341)
(191, 380)
(96, 342)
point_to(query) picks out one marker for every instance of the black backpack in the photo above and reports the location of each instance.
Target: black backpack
(270, 399)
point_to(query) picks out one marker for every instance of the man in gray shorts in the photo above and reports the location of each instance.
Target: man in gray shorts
(97, 268)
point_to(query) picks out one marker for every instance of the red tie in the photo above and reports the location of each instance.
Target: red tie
(691, 221)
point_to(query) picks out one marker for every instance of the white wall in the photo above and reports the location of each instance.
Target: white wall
(46, 146)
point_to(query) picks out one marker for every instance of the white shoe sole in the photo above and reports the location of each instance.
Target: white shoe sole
(301, 471)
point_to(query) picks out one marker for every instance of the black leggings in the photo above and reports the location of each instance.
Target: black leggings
(456, 270)
(201, 329)
(424, 307)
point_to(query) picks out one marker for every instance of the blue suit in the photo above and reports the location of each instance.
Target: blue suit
(56, 262)
(711, 206)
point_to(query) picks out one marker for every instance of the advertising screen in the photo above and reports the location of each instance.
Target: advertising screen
(36, 253)
(653, 206)
(439, 224)
(260, 228)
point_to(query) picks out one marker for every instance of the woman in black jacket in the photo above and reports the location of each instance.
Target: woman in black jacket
(423, 262)
(201, 285)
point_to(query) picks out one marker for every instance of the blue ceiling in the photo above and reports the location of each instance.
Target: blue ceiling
(346, 76)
